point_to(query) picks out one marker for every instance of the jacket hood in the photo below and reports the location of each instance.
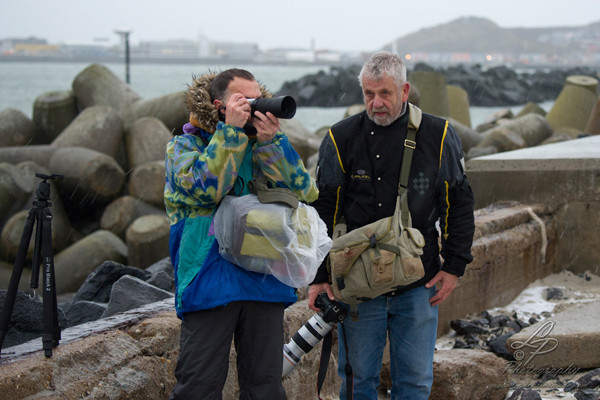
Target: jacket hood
(203, 113)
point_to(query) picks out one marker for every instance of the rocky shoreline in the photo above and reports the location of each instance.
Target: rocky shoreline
(491, 87)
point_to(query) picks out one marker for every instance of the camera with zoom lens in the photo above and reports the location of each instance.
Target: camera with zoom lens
(281, 107)
(312, 331)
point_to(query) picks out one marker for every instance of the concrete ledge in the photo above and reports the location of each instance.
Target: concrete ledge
(569, 340)
(549, 174)
(509, 253)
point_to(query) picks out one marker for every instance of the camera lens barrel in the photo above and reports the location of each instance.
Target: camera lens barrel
(303, 341)
(282, 107)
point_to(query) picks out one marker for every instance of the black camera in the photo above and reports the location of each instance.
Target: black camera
(312, 331)
(281, 107)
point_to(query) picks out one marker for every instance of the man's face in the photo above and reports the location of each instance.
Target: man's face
(249, 89)
(384, 99)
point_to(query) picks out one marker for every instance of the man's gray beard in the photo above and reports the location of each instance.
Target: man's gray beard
(389, 119)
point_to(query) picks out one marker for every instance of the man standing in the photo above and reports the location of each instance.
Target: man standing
(222, 149)
(357, 175)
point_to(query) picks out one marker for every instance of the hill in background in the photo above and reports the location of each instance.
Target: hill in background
(474, 39)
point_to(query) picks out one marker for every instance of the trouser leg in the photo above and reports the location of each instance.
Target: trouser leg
(413, 330)
(203, 360)
(366, 339)
(259, 345)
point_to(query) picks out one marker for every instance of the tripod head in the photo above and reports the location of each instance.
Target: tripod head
(43, 190)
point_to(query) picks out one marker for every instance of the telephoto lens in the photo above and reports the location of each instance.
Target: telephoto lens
(312, 332)
(281, 107)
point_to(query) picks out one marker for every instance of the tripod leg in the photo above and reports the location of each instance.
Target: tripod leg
(51, 335)
(11, 293)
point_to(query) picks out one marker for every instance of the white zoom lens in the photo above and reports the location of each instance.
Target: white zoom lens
(303, 341)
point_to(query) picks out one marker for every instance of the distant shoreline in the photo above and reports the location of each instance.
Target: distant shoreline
(253, 61)
(167, 60)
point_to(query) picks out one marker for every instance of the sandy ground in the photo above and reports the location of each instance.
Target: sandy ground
(576, 289)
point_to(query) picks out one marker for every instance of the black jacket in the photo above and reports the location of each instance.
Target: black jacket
(358, 173)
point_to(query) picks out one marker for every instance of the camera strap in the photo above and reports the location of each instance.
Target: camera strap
(324, 362)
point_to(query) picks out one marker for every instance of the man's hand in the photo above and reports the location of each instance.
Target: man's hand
(447, 284)
(313, 292)
(267, 125)
(237, 111)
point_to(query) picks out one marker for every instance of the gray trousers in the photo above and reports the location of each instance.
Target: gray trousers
(257, 330)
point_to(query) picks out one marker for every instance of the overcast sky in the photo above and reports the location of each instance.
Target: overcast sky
(360, 25)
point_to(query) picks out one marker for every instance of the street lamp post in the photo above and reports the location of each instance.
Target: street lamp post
(124, 33)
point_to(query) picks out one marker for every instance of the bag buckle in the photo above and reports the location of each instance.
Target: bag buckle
(410, 144)
(372, 241)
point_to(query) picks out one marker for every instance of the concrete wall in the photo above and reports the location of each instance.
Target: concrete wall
(564, 177)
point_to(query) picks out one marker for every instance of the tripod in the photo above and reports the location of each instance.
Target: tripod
(42, 254)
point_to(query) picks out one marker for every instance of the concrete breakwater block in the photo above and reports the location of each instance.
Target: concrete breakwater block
(433, 92)
(146, 140)
(90, 177)
(147, 183)
(98, 128)
(15, 189)
(458, 104)
(593, 125)
(76, 262)
(170, 109)
(148, 240)
(16, 128)
(526, 131)
(98, 85)
(39, 154)
(468, 137)
(573, 106)
(121, 213)
(52, 113)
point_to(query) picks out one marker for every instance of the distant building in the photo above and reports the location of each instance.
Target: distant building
(25, 46)
(180, 48)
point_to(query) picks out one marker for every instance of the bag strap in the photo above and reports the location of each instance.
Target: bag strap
(410, 144)
(268, 195)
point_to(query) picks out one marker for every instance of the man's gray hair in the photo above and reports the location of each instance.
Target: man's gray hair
(384, 64)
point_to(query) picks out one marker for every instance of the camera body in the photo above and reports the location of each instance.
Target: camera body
(312, 331)
(281, 107)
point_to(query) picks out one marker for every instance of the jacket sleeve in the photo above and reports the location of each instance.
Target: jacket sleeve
(455, 199)
(279, 162)
(331, 181)
(198, 176)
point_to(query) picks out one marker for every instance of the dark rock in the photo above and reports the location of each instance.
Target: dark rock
(83, 311)
(163, 280)
(97, 286)
(337, 88)
(463, 327)
(162, 275)
(525, 394)
(27, 319)
(591, 380)
(554, 294)
(587, 394)
(492, 87)
(498, 346)
(130, 292)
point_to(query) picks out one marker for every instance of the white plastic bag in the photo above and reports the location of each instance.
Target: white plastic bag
(272, 238)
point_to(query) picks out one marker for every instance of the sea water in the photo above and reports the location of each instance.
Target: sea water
(22, 82)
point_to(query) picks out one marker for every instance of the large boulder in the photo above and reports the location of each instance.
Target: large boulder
(16, 128)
